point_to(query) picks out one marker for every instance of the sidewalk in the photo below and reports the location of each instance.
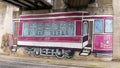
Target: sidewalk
(67, 62)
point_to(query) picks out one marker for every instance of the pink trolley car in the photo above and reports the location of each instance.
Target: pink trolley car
(61, 34)
(53, 34)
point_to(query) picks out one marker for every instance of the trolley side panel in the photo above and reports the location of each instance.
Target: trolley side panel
(103, 42)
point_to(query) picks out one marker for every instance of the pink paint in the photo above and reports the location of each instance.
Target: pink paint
(55, 19)
(86, 14)
(11, 40)
(20, 29)
(78, 28)
(78, 23)
(102, 42)
(51, 39)
(74, 39)
(98, 17)
(52, 20)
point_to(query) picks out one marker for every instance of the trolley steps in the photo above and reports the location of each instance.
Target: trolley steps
(86, 51)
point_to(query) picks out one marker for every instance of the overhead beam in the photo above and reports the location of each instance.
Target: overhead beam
(77, 4)
(19, 1)
(13, 3)
(37, 6)
(29, 4)
(24, 1)
(28, 1)
(41, 2)
(45, 2)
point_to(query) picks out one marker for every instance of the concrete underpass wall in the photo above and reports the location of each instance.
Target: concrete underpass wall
(6, 16)
(35, 12)
(116, 34)
(2, 16)
(100, 7)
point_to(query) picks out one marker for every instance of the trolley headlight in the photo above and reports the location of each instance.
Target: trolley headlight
(107, 42)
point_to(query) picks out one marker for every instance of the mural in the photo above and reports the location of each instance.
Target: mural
(65, 34)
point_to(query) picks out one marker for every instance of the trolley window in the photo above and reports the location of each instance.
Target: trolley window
(54, 29)
(47, 29)
(71, 28)
(25, 29)
(98, 26)
(40, 29)
(62, 28)
(108, 26)
(33, 29)
(85, 28)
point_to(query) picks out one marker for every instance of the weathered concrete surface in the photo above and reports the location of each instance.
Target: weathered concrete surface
(36, 12)
(101, 7)
(2, 16)
(116, 27)
(6, 16)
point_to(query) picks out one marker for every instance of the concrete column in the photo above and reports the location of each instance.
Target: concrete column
(2, 16)
(116, 28)
(6, 16)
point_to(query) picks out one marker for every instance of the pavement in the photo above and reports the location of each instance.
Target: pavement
(63, 62)
(72, 63)
(15, 64)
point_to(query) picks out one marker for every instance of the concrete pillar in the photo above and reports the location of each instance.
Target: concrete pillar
(2, 16)
(6, 16)
(116, 28)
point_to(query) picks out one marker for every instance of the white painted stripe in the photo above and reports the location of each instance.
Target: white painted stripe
(51, 44)
(85, 43)
(51, 17)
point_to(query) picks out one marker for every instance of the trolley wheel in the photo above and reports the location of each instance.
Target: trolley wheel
(59, 53)
(36, 52)
(69, 54)
(28, 50)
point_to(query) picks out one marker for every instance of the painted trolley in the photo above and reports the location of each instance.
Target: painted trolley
(54, 34)
(61, 34)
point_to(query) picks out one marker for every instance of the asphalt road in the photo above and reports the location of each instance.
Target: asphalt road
(15, 64)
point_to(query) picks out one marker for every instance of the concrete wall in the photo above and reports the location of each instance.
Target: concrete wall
(2, 16)
(116, 34)
(101, 7)
(35, 12)
(6, 16)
